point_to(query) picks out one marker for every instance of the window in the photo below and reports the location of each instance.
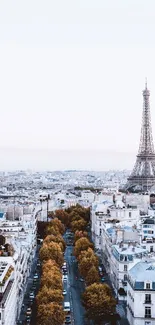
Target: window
(100, 231)
(125, 277)
(148, 285)
(147, 323)
(147, 312)
(129, 214)
(100, 223)
(125, 268)
(151, 249)
(147, 299)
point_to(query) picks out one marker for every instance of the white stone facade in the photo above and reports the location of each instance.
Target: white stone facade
(127, 215)
(141, 294)
(21, 236)
(87, 196)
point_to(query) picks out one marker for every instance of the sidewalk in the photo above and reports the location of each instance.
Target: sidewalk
(121, 310)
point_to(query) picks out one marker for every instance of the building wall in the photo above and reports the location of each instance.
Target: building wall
(88, 196)
(22, 236)
(9, 310)
(125, 214)
(136, 307)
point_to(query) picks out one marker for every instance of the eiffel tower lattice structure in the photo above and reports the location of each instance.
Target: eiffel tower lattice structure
(142, 177)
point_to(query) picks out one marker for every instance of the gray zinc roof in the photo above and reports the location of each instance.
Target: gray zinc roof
(143, 271)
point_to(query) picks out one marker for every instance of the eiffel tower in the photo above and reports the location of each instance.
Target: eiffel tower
(142, 177)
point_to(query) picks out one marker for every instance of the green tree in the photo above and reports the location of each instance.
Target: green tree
(98, 302)
(52, 251)
(50, 314)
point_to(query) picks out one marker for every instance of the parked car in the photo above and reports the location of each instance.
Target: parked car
(103, 279)
(28, 320)
(64, 265)
(64, 278)
(68, 319)
(64, 271)
(31, 295)
(67, 306)
(64, 292)
(28, 311)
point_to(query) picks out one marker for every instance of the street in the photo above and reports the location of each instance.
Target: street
(29, 285)
(74, 288)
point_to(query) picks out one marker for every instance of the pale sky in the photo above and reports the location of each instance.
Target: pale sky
(72, 73)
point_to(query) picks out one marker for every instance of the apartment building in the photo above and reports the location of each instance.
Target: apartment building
(16, 258)
(141, 294)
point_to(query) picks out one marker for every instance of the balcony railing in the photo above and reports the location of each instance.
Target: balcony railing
(147, 302)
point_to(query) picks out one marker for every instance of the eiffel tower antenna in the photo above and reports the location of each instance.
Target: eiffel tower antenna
(142, 177)
(145, 83)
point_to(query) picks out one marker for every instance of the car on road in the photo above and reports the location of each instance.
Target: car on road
(36, 276)
(28, 311)
(31, 295)
(28, 320)
(64, 265)
(64, 278)
(68, 319)
(103, 279)
(64, 292)
(81, 279)
(67, 307)
(64, 271)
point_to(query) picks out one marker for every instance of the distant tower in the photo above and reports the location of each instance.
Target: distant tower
(142, 177)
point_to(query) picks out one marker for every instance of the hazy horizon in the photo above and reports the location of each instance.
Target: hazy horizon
(56, 159)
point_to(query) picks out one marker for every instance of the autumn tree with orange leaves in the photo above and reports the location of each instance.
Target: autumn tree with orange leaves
(98, 302)
(50, 314)
(52, 251)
